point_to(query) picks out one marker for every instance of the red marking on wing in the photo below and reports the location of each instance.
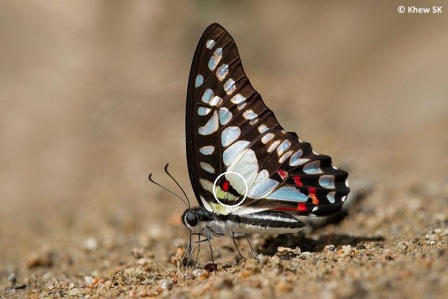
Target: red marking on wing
(283, 174)
(297, 180)
(312, 195)
(225, 186)
(301, 207)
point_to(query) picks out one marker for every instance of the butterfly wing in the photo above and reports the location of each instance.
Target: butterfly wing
(240, 159)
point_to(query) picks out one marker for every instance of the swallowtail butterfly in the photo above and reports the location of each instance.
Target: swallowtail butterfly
(248, 174)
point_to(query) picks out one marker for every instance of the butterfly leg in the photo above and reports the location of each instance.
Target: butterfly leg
(253, 251)
(199, 241)
(188, 248)
(236, 245)
(210, 245)
(199, 249)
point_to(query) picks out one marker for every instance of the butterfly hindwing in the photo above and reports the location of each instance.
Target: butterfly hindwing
(230, 129)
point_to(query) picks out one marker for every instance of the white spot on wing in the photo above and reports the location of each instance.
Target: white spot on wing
(224, 116)
(285, 156)
(239, 100)
(207, 185)
(199, 81)
(250, 115)
(262, 128)
(216, 101)
(240, 106)
(207, 150)
(327, 181)
(204, 111)
(273, 146)
(207, 96)
(211, 126)
(283, 147)
(229, 135)
(296, 159)
(330, 196)
(232, 152)
(312, 168)
(207, 167)
(266, 138)
(206, 204)
(229, 86)
(215, 59)
(222, 72)
(210, 44)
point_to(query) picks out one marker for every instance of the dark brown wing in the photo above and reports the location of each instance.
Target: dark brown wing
(240, 159)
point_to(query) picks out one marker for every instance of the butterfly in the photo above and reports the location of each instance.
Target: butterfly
(248, 174)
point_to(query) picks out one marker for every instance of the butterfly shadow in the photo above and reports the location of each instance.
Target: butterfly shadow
(271, 245)
(362, 190)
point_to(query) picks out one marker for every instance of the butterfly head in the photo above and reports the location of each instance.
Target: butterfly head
(196, 219)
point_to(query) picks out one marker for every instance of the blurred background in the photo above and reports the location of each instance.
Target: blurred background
(92, 99)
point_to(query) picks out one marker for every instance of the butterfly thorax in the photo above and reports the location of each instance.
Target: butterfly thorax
(203, 222)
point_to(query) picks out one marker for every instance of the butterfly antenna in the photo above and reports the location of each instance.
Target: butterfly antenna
(155, 183)
(178, 185)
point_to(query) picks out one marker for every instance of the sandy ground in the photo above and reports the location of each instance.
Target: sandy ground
(93, 99)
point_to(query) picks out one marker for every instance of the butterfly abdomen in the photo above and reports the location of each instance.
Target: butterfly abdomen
(266, 222)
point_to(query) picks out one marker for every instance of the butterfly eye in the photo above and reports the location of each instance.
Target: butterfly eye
(191, 219)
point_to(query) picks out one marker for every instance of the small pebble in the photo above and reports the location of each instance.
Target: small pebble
(283, 287)
(74, 292)
(137, 253)
(306, 255)
(90, 244)
(166, 284)
(211, 267)
(329, 247)
(200, 273)
(88, 280)
(39, 260)
(346, 249)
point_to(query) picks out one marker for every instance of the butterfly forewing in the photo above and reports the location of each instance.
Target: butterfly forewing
(230, 130)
